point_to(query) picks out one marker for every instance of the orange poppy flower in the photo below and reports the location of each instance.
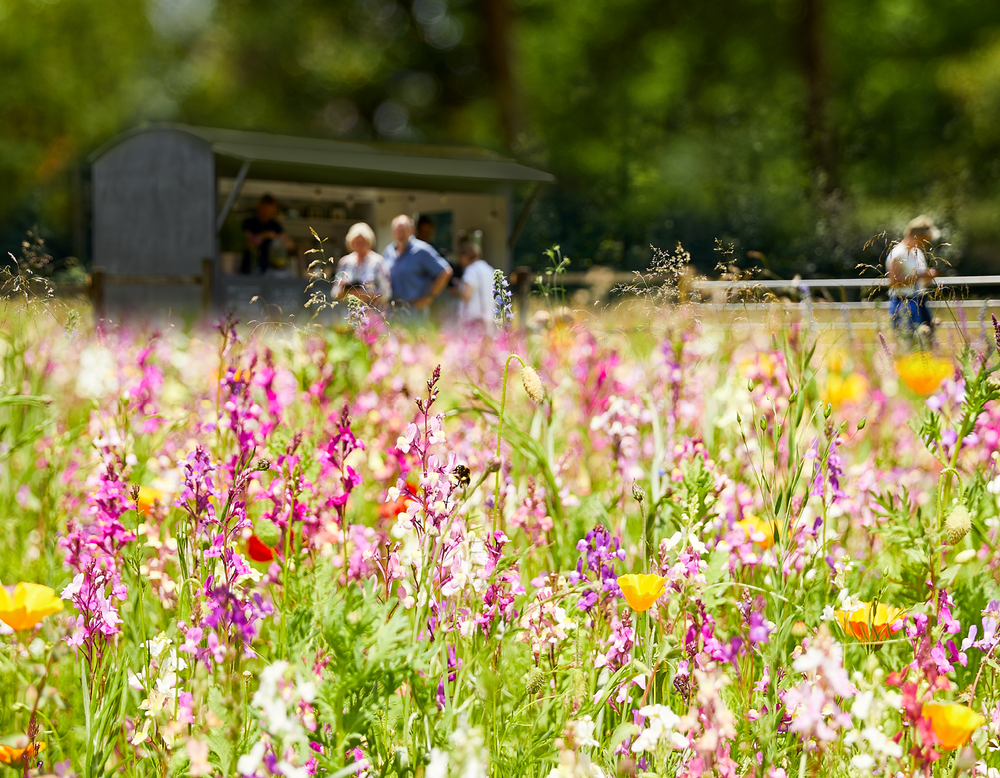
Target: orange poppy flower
(391, 510)
(923, 372)
(869, 623)
(148, 496)
(30, 604)
(11, 755)
(641, 591)
(760, 531)
(952, 723)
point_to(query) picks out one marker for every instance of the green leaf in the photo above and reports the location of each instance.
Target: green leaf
(221, 747)
(624, 730)
(216, 703)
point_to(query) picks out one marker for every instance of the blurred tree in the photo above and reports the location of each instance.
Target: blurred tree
(792, 128)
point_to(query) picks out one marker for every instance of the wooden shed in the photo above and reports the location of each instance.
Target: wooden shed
(167, 197)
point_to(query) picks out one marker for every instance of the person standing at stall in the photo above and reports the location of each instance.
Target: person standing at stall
(363, 272)
(475, 290)
(261, 230)
(418, 274)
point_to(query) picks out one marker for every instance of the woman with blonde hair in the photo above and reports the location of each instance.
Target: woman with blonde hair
(363, 272)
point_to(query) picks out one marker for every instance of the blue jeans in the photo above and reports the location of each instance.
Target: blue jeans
(910, 311)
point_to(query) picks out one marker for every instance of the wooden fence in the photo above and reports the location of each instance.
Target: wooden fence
(98, 280)
(598, 280)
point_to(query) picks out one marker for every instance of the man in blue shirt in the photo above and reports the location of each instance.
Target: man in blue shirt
(417, 272)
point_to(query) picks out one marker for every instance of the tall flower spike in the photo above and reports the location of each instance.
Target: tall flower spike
(885, 345)
(532, 384)
(503, 301)
(996, 331)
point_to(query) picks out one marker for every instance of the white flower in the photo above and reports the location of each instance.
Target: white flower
(96, 377)
(660, 722)
(291, 771)
(438, 765)
(884, 745)
(248, 763)
(862, 705)
(583, 731)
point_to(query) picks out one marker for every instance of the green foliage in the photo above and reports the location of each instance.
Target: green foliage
(663, 121)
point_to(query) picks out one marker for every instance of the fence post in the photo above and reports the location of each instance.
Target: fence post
(207, 277)
(96, 291)
(522, 277)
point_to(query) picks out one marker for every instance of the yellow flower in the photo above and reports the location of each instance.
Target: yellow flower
(841, 391)
(760, 363)
(641, 591)
(923, 372)
(869, 623)
(148, 496)
(31, 603)
(835, 360)
(760, 531)
(11, 755)
(952, 723)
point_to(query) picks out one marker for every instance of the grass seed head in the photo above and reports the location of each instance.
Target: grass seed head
(958, 524)
(533, 385)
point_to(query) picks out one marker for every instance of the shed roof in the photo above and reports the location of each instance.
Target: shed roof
(314, 160)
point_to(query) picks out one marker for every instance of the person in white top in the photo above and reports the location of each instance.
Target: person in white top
(475, 289)
(362, 273)
(910, 275)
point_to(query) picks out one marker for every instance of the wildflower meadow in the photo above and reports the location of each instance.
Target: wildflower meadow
(592, 549)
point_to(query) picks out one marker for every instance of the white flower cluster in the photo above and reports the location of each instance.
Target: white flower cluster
(660, 730)
(869, 710)
(468, 757)
(159, 681)
(578, 734)
(275, 702)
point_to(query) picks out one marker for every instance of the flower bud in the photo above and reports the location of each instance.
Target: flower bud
(827, 411)
(862, 423)
(965, 556)
(966, 758)
(638, 493)
(534, 682)
(958, 524)
(532, 385)
(492, 464)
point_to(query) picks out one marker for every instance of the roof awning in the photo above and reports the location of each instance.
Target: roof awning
(313, 160)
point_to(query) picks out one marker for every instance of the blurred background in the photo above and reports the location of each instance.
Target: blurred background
(795, 130)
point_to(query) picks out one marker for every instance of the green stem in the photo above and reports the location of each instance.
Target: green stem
(87, 720)
(503, 405)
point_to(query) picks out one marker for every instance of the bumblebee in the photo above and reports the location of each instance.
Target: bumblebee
(462, 475)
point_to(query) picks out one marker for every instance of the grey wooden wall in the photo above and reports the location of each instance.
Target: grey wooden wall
(154, 203)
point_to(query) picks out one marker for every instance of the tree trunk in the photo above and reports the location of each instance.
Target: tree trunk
(497, 47)
(812, 53)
